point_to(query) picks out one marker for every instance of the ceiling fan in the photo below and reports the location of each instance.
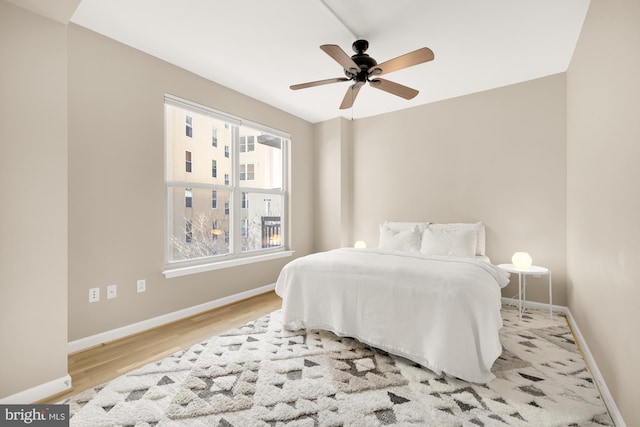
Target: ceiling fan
(362, 68)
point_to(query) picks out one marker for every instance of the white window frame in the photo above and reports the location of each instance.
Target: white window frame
(235, 257)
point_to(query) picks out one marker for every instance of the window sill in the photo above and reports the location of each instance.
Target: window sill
(194, 269)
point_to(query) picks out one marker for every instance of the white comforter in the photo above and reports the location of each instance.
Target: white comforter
(443, 313)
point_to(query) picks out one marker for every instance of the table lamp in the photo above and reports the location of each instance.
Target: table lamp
(521, 260)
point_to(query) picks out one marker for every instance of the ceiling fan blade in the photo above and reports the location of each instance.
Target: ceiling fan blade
(407, 60)
(341, 57)
(350, 96)
(319, 83)
(394, 88)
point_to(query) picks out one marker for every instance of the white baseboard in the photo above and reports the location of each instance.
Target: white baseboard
(39, 392)
(593, 366)
(93, 340)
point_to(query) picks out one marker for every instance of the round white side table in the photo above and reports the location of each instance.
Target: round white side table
(534, 270)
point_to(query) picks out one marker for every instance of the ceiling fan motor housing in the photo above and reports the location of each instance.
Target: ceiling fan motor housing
(364, 61)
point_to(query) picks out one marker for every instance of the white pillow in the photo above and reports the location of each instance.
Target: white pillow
(478, 227)
(459, 242)
(406, 225)
(400, 240)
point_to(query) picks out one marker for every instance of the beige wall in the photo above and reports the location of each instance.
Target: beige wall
(33, 190)
(333, 184)
(603, 209)
(116, 190)
(497, 156)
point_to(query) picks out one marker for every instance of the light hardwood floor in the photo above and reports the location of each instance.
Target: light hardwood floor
(103, 363)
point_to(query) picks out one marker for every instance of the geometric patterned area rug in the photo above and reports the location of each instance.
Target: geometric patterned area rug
(262, 375)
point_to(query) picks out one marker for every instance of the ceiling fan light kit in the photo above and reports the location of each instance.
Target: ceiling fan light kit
(362, 68)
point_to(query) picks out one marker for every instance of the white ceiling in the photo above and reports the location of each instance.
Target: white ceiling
(261, 47)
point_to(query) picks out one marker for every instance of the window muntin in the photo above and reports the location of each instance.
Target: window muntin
(240, 155)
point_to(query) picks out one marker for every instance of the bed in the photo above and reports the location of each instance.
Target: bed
(427, 293)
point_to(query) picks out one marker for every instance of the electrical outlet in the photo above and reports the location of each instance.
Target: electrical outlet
(141, 285)
(112, 291)
(94, 294)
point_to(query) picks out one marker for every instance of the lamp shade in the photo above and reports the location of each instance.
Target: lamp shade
(521, 260)
(360, 244)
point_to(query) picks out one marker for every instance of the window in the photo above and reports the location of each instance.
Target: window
(187, 161)
(188, 124)
(188, 198)
(249, 170)
(247, 143)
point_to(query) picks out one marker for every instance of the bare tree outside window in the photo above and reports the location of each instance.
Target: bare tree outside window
(203, 239)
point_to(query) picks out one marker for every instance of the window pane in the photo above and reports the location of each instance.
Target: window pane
(198, 231)
(193, 155)
(261, 222)
(261, 162)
